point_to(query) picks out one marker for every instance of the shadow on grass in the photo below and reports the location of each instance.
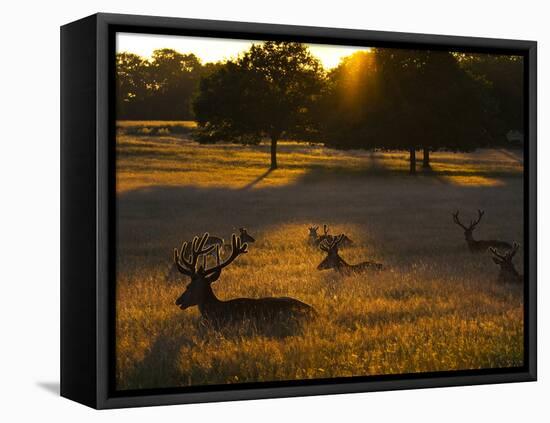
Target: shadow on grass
(257, 180)
(513, 155)
(154, 219)
(159, 368)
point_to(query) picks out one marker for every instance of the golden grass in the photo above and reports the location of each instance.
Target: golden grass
(153, 123)
(435, 307)
(176, 161)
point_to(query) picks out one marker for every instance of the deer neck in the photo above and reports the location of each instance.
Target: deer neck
(209, 303)
(512, 273)
(341, 263)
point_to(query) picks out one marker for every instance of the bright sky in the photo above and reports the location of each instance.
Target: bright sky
(216, 49)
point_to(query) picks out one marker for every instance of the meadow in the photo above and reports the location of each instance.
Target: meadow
(435, 307)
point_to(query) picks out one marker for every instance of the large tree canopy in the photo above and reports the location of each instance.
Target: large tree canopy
(267, 92)
(402, 99)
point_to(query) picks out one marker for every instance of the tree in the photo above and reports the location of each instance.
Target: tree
(402, 100)
(160, 88)
(174, 81)
(500, 78)
(131, 81)
(267, 92)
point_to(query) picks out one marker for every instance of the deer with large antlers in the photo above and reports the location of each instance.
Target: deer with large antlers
(478, 246)
(334, 261)
(218, 312)
(508, 273)
(316, 239)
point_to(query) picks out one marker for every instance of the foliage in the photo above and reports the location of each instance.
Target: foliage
(267, 92)
(501, 79)
(133, 82)
(162, 88)
(402, 99)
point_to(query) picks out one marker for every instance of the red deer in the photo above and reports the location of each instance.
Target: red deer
(313, 237)
(476, 246)
(218, 312)
(316, 239)
(334, 261)
(508, 273)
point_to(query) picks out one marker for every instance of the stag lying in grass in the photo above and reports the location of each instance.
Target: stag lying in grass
(508, 272)
(273, 310)
(315, 239)
(334, 261)
(476, 246)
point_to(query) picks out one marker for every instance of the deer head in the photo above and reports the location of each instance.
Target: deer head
(245, 236)
(468, 230)
(313, 231)
(202, 277)
(508, 272)
(333, 259)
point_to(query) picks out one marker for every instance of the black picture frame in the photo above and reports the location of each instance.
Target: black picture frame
(88, 210)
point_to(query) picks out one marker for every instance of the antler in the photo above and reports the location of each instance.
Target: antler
(237, 248)
(457, 221)
(497, 254)
(338, 239)
(325, 229)
(189, 267)
(514, 250)
(327, 245)
(473, 223)
(508, 255)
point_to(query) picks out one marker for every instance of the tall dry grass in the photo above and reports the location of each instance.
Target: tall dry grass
(435, 307)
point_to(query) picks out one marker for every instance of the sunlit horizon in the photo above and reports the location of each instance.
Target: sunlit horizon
(211, 50)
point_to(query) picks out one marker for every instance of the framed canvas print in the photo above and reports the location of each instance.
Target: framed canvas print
(255, 211)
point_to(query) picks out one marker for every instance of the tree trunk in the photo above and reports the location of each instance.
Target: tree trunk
(426, 159)
(274, 153)
(412, 161)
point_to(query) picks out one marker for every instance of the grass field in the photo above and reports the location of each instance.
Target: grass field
(435, 307)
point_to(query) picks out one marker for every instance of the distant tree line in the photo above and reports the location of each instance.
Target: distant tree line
(162, 88)
(386, 99)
